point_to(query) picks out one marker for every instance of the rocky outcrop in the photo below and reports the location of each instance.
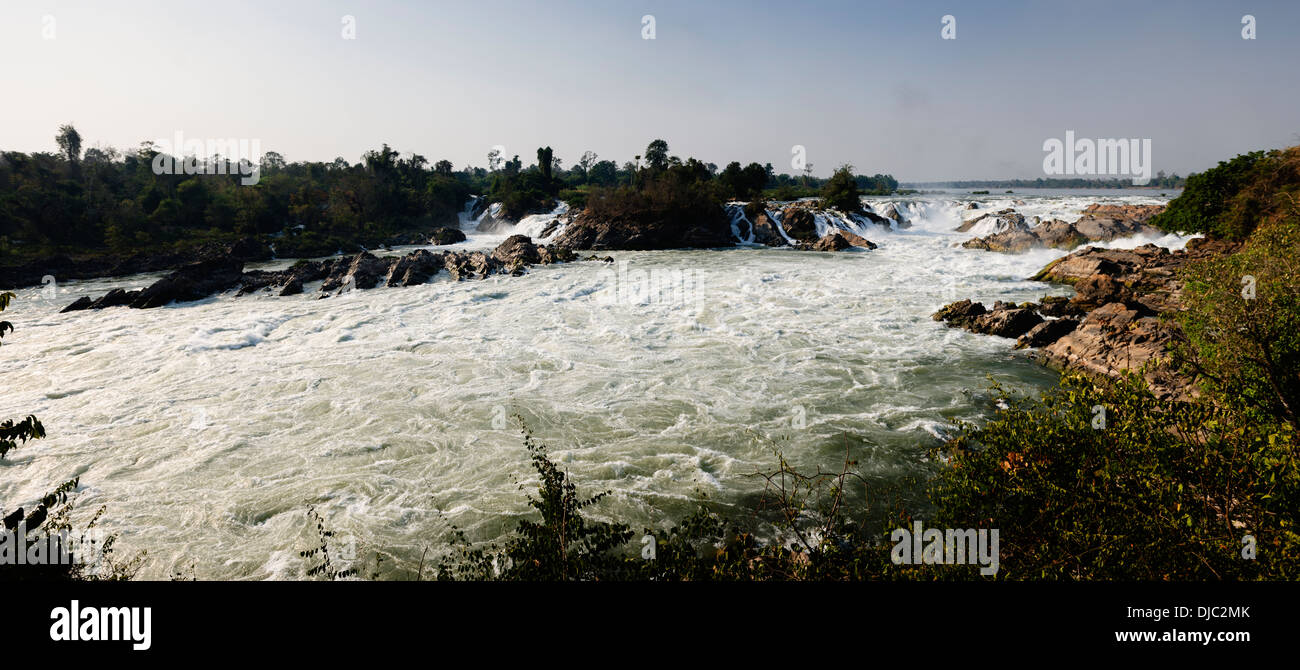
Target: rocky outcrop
(517, 249)
(766, 232)
(840, 240)
(1022, 321)
(362, 271)
(1004, 319)
(1099, 223)
(413, 269)
(1047, 332)
(831, 242)
(648, 230)
(1002, 220)
(892, 211)
(493, 221)
(192, 282)
(1117, 319)
(444, 236)
(800, 223)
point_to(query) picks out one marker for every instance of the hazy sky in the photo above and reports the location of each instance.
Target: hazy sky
(867, 83)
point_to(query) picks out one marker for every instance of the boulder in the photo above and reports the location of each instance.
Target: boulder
(832, 242)
(650, 228)
(1009, 241)
(1001, 221)
(294, 287)
(471, 265)
(413, 269)
(444, 236)
(365, 269)
(1047, 332)
(1059, 306)
(192, 282)
(84, 302)
(960, 313)
(517, 249)
(1006, 322)
(765, 231)
(799, 223)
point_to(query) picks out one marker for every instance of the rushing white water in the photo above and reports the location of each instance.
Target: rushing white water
(207, 428)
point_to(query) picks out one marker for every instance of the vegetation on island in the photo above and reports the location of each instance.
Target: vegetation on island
(106, 201)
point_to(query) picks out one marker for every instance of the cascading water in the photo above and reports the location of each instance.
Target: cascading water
(207, 428)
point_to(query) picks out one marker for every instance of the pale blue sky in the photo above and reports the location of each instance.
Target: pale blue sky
(869, 83)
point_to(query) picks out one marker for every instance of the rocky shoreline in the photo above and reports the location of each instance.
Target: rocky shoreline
(1119, 319)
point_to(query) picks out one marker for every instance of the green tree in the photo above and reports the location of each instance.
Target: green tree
(69, 142)
(656, 156)
(841, 191)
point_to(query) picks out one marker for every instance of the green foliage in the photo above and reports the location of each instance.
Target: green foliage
(878, 184)
(114, 201)
(842, 192)
(69, 141)
(564, 545)
(671, 196)
(1230, 200)
(1152, 490)
(1242, 325)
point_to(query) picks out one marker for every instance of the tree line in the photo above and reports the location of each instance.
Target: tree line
(105, 199)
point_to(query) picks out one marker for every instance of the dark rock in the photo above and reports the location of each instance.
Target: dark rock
(294, 287)
(1003, 220)
(115, 298)
(557, 254)
(515, 250)
(81, 303)
(799, 223)
(765, 231)
(445, 236)
(655, 228)
(365, 269)
(473, 265)
(1006, 322)
(960, 313)
(414, 268)
(192, 282)
(1059, 306)
(832, 242)
(1047, 332)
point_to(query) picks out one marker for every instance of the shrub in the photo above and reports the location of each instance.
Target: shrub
(841, 191)
(1230, 200)
(1242, 324)
(1098, 479)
